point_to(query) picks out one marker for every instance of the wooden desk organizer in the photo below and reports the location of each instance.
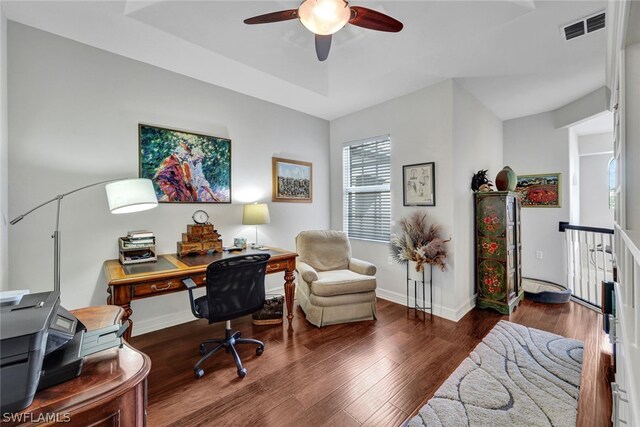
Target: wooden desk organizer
(199, 239)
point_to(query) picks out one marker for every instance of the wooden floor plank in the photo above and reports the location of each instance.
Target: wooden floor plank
(387, 415)
(367, 373)
(323, 410)
(341, 419)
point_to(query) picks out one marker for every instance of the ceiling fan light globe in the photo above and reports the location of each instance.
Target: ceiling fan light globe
(324, 17)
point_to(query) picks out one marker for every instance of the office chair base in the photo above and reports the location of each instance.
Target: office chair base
(228, 343)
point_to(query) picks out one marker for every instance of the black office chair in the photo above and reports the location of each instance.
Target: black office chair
(235, 288)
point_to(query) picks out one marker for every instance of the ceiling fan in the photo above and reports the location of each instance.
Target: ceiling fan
(325, 17)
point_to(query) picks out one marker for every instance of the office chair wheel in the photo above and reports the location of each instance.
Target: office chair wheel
(259, 350)
(203, 349)
(242, 372)
(199, 373)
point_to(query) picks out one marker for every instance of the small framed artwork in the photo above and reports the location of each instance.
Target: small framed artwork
(540, 191)
(419, 184)
(292, 180)
(185, 167)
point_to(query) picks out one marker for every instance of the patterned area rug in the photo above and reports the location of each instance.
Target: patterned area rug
(517, 376)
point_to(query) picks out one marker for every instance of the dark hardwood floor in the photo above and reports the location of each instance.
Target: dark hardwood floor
(368, 373)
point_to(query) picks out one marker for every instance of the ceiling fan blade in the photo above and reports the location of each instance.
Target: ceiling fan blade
(373, 20)
(283, 15)
(323, 45)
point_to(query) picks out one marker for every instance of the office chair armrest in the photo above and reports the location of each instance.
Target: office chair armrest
(308, 273)
(191, 285)
(362, 267)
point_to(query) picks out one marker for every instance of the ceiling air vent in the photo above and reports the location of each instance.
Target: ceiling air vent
(586, 25)
(574, 30)
(595, 23)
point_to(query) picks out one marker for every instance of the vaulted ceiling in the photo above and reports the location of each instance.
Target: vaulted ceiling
(510, 54)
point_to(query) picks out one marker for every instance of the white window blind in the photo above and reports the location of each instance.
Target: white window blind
(367, 188)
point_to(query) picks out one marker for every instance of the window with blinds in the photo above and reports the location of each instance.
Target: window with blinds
(367, 189)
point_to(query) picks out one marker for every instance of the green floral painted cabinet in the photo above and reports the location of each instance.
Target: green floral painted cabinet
(497, 248)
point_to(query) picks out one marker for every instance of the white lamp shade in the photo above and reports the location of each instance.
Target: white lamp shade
(256, 214)
(131, 195)
(324, 17)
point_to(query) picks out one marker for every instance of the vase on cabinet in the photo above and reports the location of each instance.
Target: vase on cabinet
(506, 180)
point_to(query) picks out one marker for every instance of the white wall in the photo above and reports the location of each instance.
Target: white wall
(532, 145)
(74, 116)
(4, 220)
(594, 191)
(582, 109)
(420, 128)
(477, 139)
(632, 135)
(441, 124)
(595, 153)
(598, 143)
(574, 178)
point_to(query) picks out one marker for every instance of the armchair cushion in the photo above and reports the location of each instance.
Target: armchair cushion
(341, 282)
(308, 273)
(362, 267)
(324, 249)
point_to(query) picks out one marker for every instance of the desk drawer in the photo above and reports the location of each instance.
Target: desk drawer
(273, 267)
(166, 285)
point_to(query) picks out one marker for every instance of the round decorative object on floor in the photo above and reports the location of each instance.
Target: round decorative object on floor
(543, 291)
(506, 180)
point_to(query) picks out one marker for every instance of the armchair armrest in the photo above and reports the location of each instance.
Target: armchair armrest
(308, 273)
(362, 267)
(191, 285)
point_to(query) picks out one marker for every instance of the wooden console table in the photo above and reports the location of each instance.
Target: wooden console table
(131, 282)
(111, 390)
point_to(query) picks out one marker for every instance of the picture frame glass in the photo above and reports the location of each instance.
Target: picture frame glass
(292, 180)
(419, 184)
(540, 191)
(185, 167)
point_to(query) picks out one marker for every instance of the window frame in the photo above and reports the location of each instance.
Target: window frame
(384, 189)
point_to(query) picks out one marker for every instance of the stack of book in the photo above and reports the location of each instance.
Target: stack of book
(138, 246)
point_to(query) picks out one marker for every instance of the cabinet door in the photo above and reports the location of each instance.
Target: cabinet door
(491, 278)
(490, 216)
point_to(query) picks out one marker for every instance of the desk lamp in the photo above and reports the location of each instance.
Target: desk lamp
(256, 214)
(124, 196)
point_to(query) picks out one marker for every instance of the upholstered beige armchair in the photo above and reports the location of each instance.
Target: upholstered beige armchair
(332, 286)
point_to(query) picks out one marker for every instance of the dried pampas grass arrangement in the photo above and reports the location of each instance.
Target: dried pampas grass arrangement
(418, 242)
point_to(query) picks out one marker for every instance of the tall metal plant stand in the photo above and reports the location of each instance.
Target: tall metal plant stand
(422, 308)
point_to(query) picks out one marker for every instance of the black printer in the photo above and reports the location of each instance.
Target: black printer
(41, 346)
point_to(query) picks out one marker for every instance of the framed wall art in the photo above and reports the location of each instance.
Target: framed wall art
(185, 167)
(419, 184)
(540, 191)
(292, 180)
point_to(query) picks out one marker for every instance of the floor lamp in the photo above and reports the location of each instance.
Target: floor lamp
(256, 214)
(124, 196)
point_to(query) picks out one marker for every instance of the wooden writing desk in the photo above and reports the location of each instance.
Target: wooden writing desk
(137, 281)
(110, 391)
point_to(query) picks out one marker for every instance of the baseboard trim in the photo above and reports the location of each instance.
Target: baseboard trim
(144, 326)
(466, 307)
(438, 310)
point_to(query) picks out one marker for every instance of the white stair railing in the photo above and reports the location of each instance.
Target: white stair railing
(589, 261)
(626, 329)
